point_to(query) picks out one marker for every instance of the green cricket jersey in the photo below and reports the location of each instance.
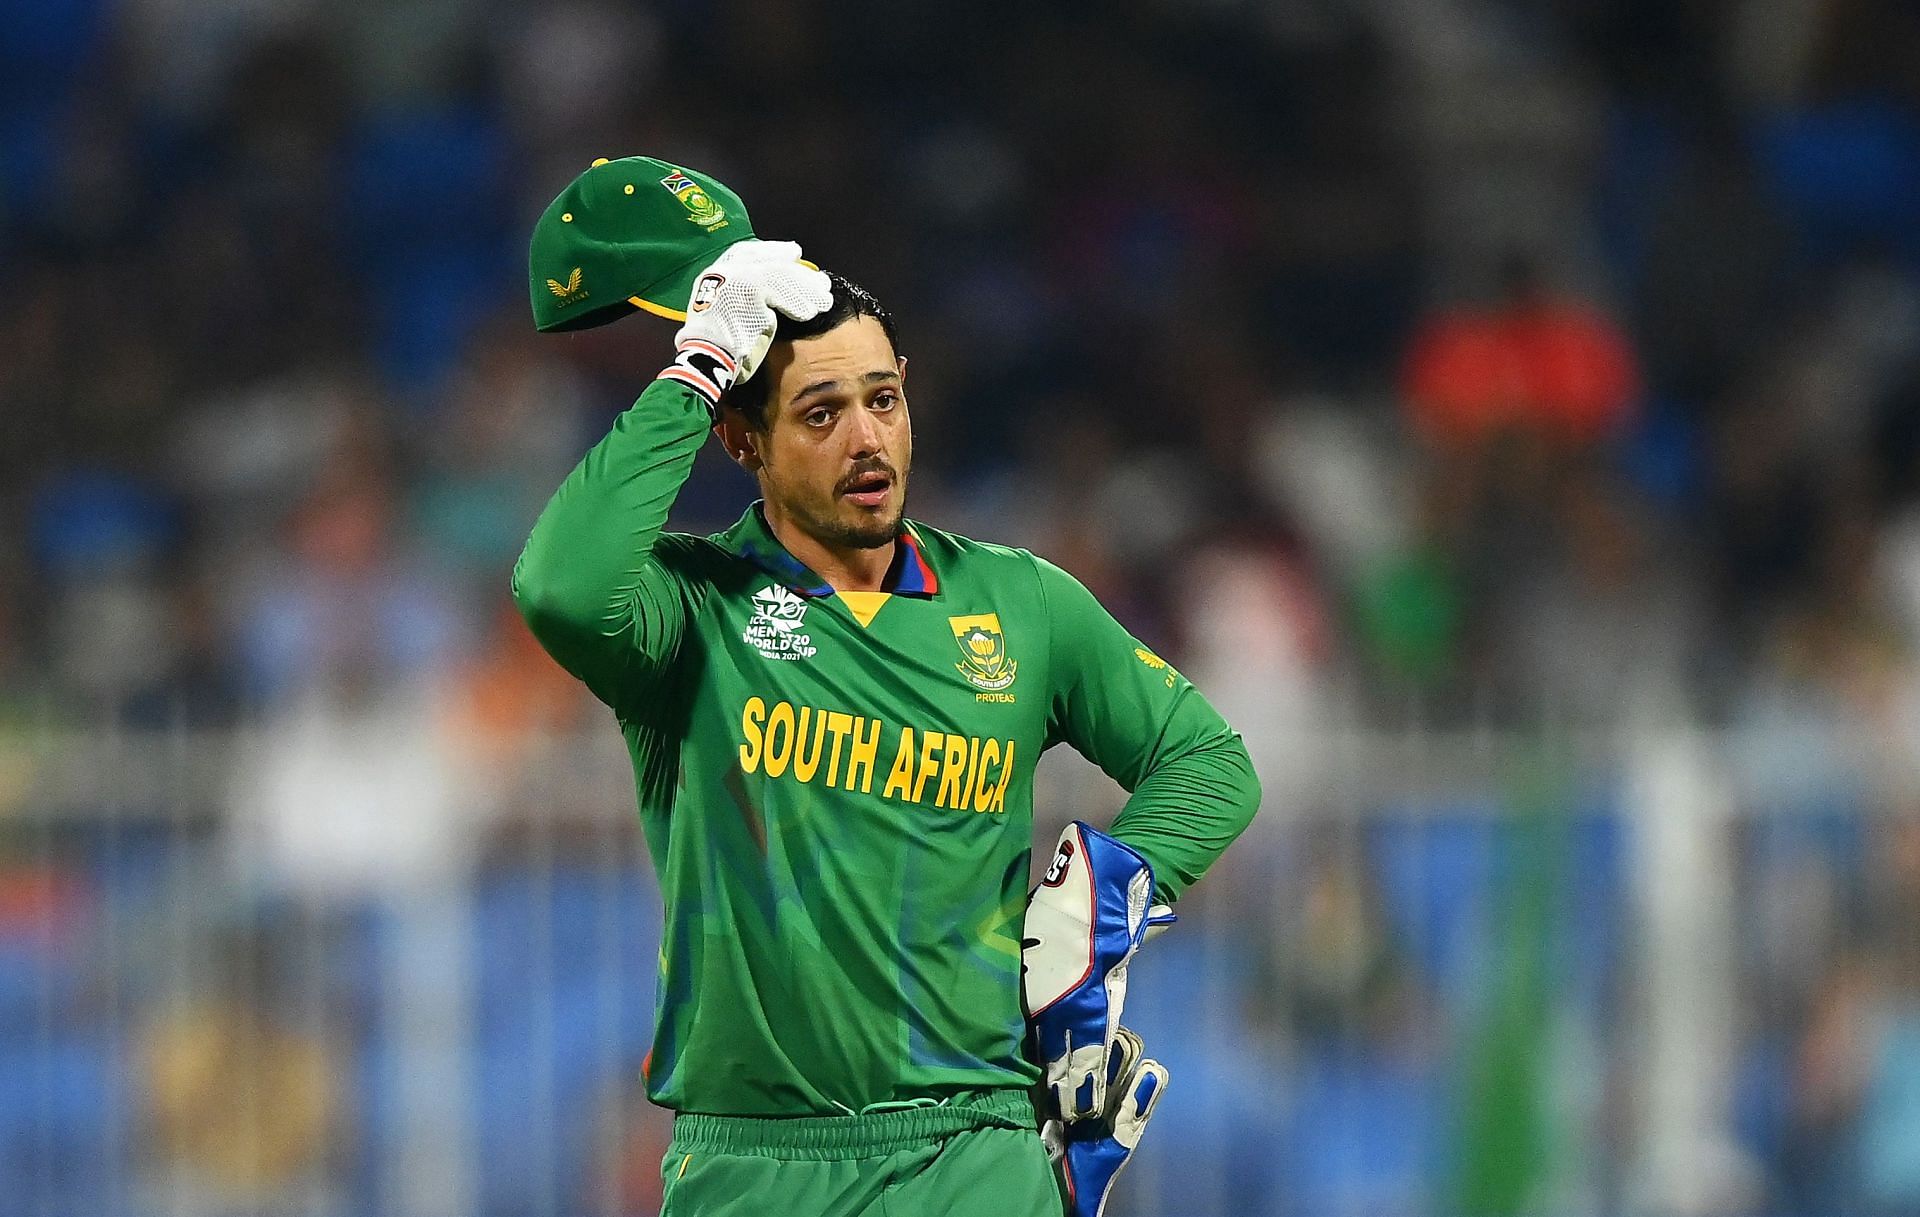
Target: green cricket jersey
(837, 788)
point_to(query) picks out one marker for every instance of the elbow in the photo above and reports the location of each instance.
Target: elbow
(539, 599)
(530, 592)
(1245, 784)
(574, 620)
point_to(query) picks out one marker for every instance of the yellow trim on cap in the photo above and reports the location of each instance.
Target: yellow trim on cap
(674, 314)
(658, 310)
(598, 161)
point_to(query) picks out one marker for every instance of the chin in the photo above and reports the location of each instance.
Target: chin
(866, 531)
(872, 534)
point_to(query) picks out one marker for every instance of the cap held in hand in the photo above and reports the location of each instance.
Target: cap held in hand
(627, 235)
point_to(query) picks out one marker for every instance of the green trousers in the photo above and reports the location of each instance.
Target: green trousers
(976, 1157)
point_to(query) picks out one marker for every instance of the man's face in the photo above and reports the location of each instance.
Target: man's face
(838, 445)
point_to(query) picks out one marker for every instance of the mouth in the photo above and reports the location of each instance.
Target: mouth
(867, 489)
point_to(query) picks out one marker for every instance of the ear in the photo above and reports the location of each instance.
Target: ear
(902, 361)
(739, 439)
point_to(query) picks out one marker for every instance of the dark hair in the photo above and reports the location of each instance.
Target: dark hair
(850, 300)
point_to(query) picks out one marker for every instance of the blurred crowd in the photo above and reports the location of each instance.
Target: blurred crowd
(1524, 359)
(1437, 363)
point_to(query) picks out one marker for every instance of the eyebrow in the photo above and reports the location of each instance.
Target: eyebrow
(821, 386)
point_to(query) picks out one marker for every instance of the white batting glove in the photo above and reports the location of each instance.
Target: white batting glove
(732, 315)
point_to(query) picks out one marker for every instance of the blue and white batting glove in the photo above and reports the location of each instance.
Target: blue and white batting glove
(1084, 922)
(734, 309)
(1091, 1152)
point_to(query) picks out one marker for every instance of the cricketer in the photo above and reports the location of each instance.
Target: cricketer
(834, 713)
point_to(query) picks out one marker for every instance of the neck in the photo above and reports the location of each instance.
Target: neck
(845, 568)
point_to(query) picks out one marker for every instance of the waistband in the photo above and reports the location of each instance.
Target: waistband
(867, 1134)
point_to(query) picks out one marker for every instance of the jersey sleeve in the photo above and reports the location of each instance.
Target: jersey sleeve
(1191, 783)
(593, 581)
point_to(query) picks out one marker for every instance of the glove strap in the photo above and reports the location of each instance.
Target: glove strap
(704, 368)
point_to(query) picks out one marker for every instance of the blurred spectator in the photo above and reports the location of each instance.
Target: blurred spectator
(1857, 1100)
(245, 1105)
(357, 791)
(1536, 362)
(1255, 628)
(1608, 624)
(1513, 403)
(348, 605)
(1327, 973)
(510, 422)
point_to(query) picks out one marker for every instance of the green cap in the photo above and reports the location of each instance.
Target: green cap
(628, 234)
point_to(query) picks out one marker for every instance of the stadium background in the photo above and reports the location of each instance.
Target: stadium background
(1509, 412)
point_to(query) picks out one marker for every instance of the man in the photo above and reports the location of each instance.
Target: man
(834, 714)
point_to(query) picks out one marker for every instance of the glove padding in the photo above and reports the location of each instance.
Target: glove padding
(1084, 922)
(731, 316)
(1090, 1153)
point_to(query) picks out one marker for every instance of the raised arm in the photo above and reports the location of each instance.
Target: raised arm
(593, 582)
(1191, 782)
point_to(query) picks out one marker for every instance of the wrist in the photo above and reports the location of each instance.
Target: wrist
(704, 368)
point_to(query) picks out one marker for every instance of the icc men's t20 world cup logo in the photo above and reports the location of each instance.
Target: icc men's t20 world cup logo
(776, 627)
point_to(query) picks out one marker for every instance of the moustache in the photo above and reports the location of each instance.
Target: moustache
(865, 468)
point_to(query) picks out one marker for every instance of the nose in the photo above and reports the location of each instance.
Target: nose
(863, 433)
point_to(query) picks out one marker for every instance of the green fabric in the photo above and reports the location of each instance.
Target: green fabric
(628, 227)
(980, 1172)
(865, 1135)
(841, 815)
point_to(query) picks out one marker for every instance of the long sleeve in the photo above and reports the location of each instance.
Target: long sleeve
(1191, 783)
(591, 581)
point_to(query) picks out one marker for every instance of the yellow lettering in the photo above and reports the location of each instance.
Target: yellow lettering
(965, 798)
(953, 773)
(864, 749)
(1006, 775)
(983, 793)
(838, 725)
(902, 775)
(751, 716)
(930, 744)
(804, 765)
(779, 754)
(973, 772)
